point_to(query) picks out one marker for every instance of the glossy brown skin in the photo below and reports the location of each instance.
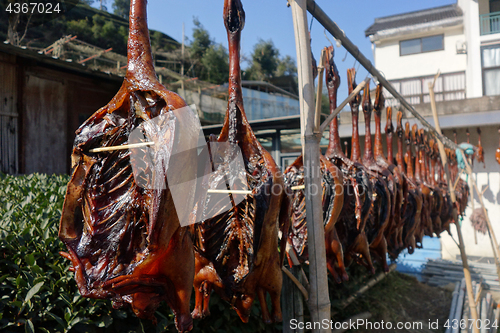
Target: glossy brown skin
(411, 210)
(332, 201)
(430, 181)
(396, 229)
(384, 186)
(480, 151)
(125, 242)
(357, 206)
(420, 179)
(237, 251)
(446, 214)
(411, 163)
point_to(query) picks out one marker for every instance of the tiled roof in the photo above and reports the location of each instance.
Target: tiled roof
(414, 18)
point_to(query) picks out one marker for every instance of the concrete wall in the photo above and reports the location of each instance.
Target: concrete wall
(394, 66)
(473, 74)
(488, 179)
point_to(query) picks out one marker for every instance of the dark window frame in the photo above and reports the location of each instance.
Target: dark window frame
(421, 45)
(486, 69)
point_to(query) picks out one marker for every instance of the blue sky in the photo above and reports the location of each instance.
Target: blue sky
(272, 19)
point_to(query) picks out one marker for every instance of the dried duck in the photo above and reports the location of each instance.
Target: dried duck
(124, 240)
(357, 204)
(236, 252)
(384, 195)
(332, 202)
(412, 208)
(480, 151)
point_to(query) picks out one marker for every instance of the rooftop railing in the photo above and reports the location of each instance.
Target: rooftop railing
(489, 23)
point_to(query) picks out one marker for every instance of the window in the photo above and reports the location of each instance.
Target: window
(419, 45)
(491, 70)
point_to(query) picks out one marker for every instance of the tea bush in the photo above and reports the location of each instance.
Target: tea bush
(39, 294)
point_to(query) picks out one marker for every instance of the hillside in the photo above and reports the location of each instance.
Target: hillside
(91, 25)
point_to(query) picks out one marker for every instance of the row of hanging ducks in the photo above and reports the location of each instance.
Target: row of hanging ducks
(375, 204)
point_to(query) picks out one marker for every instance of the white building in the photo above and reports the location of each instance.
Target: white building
(463, 42)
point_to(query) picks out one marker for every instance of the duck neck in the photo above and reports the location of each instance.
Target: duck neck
(399, 155)
(418, 174)
(334, 145)
(409, 161)
(379, 150)
(355, 148)
(234, 20)
(140, 66)
(368, 135)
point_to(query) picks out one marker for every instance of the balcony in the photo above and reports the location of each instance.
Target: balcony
(489, 23)
(448, 87)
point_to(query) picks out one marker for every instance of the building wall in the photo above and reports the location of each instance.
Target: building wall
(488, 180)
(41, 107)
(394, 66)
(9, 125)
(473, 74)
(45, 125)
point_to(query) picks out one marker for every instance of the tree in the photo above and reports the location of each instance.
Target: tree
(266, 63)
(216, 63)
(201, 40)
(211, 58)
(121, 8)
(286, 66)
(265, 58)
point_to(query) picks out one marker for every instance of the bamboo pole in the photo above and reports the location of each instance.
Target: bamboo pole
(335, 112)
(340, 35)
(491, 232)
(444, 161)
(319, 300)
(319, 89)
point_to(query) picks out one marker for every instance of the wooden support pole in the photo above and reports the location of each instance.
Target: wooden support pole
(444, 160)
(319, 90)
(292, 305)
(319, 300)
(491, 232)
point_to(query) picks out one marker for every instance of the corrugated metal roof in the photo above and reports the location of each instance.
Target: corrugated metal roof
(414, 18)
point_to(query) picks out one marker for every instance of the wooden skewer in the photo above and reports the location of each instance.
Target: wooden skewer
(129, 146)
(145, 144)
(341, 106)
(298, 187)
(229, 191)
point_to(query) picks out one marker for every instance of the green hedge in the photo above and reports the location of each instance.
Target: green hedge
(39, 294)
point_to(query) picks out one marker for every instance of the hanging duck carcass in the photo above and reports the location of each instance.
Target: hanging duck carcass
(237, 250)
(124, 239)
